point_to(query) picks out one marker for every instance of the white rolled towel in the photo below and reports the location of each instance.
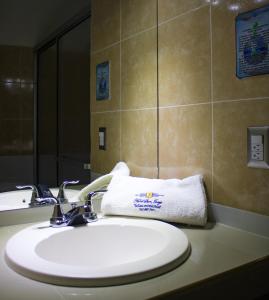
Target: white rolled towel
(173, 200)
(102, 182)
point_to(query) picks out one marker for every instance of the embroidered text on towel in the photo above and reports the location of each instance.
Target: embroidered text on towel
(148, 201)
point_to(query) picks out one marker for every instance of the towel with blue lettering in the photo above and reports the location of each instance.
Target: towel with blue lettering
(172, 200)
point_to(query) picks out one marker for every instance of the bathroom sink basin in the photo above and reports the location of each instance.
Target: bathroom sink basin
(110, 251)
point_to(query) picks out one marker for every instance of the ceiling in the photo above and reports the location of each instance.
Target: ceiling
(29, 22)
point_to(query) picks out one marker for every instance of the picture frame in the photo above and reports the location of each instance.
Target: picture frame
(103, 81)
(252, 40)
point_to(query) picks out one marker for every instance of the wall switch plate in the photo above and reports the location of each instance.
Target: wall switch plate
(258, 147)
(102, 138)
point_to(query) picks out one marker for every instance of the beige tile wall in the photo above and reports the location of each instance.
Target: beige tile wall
(204, 109)
(125, 33)
(237, 104)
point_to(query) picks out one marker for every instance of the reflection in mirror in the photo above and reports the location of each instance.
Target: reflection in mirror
(63, 143)
(123, 33)
(22, 199)
(25, 25)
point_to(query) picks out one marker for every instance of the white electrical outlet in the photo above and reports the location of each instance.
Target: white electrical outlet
(257, 155)
(258, 147)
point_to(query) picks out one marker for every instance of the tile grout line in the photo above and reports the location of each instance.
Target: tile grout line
(105, 48)
(182, 14)
(241, 100)
(123, 110)
(158, 94)
(138, 33)
(104, 112)
(123, 39)
(120, 85)
(184, 105)
(212, 106)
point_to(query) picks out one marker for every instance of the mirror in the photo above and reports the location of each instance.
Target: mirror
(124, 34)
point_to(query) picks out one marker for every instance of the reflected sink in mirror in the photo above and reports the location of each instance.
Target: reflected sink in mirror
(21, 199)
(111, 251)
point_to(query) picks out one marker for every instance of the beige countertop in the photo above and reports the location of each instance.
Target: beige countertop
(215, 249)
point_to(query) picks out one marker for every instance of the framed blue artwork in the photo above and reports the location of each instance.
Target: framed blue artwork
(102, 81)
(252, 42)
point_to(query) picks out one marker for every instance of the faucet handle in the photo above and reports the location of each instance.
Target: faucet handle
(61, 194)
(35, 192)
(58, 217)
(91, 194)
(89, 214)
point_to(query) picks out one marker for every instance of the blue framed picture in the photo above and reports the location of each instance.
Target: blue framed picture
(102, 81)
(252, 42)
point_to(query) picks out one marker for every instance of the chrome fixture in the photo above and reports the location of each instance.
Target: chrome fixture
(78, 215)
(41, 195)
(61, 194)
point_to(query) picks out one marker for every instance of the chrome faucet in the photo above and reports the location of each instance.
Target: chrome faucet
(78, 215)
(41, 195)
(61, 194)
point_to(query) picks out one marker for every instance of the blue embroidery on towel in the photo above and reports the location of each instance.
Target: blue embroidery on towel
(148, 201)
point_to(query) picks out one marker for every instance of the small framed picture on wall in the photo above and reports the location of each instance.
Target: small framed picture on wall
(252, 42)
(103, 81)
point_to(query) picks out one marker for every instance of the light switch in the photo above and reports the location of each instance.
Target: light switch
(258, 147)
(102, 138)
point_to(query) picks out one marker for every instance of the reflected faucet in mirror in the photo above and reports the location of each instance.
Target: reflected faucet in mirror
(41, 194)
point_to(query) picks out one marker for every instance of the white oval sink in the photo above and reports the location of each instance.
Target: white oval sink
(110, 251)
(21, 199)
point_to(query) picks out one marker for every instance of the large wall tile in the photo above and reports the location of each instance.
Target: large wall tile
(27, 100)
(10, 63)
(186, 142)
(27, 64)
(139, 71)
(112, 55)
(139, 142)
(235, 184)
(105, 29)
(172, 8)
(10, 104)
(184, 59)
(27, 137)
(11, 137)
(102, 161)
(225, 83)
(16, 100)
(137, 15)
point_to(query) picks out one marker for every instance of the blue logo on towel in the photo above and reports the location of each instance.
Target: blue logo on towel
(148, 201)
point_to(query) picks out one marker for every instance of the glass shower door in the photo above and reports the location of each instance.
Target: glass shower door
(74, 104)
(63, 108)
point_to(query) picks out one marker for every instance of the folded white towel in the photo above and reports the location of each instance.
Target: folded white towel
(174, 200)
(102, 182)
(121, 169)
